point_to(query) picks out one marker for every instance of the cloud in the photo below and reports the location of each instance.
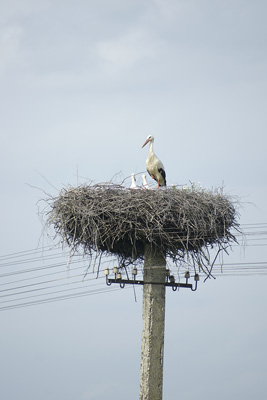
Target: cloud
(126, 51)
(10, 38)
(173, 10)
(17, 9)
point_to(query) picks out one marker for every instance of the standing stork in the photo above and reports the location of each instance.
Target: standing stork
(154, 166)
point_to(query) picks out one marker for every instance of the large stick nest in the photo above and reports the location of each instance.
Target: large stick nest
(180, 224)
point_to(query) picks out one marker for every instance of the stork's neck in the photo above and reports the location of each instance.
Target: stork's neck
(150, 151)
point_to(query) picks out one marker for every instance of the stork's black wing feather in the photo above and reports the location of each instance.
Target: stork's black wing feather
(163, 174)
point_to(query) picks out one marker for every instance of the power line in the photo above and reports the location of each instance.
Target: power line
(44, 249)
(45, 288)
(79, 291)
(49, 266)
(27, 252)
(13, 293)
(60, 298)
(228, 268)
(47, 282)
(81, 258)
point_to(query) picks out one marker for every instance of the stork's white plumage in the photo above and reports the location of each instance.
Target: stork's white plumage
(145, 184)
(154, 166)
(133, 184)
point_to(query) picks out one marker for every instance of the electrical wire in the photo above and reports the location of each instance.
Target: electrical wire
(36, 269)
(20, 302)
(44, 249)
(35, 288)
(44, 288)
(60, 298)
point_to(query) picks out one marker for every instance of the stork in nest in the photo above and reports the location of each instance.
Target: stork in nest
(154, 166)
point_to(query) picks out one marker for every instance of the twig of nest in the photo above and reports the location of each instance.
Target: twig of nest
(110, 219)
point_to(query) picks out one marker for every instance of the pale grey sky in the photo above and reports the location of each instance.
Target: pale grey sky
(82, 84)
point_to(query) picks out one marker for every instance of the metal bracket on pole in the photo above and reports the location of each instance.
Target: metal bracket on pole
(172, 283)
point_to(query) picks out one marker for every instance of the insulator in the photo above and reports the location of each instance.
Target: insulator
(187, 275)
(115, 270)
(118, 275)
(167, 272)
(106, 272)
(196, 277)
(134, 271)
(172, 280)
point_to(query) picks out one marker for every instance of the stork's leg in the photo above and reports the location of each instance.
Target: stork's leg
(158, 183)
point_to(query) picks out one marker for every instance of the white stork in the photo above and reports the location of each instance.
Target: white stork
(154, 166)
(145, 184)
(133, 184)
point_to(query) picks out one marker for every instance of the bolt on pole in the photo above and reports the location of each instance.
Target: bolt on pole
(153, 325)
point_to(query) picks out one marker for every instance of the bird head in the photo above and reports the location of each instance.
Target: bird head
(150, 138)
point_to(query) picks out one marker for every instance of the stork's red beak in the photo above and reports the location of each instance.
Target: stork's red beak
(146, 142)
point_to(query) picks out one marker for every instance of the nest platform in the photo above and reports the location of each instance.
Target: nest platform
(110, 219)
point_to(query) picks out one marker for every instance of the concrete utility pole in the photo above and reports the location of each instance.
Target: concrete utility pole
(154, 284)
(154, 321)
